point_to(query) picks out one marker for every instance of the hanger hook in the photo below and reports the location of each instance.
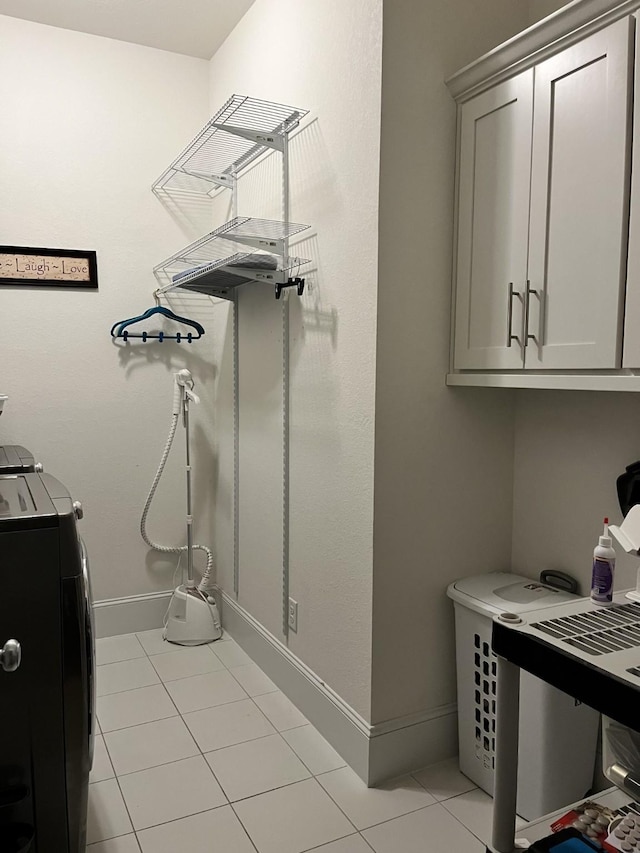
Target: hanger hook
(156, 296)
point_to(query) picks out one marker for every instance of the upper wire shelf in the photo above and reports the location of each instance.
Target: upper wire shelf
(240, 131)
(264, 234)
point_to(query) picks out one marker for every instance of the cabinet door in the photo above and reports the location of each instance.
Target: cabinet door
(579, 203)
(493, 214)
(631, 349)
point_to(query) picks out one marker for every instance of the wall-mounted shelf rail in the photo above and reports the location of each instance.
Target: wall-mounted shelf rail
(238, 133)
(214, 265)
(244, 250)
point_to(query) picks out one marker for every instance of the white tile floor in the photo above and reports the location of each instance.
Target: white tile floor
(199, 752)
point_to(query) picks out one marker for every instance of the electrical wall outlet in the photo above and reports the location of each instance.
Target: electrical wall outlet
(293, 614)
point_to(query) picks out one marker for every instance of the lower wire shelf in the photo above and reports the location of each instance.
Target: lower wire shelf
(220, 278)
(213, 265)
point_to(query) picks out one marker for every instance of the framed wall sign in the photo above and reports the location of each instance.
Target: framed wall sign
(21, 265)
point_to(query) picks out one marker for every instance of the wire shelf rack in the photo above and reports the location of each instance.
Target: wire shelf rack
(220, 278)
(264, 234)
(213, 265)
(240, 131)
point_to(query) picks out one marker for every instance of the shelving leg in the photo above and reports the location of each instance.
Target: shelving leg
(506, 755)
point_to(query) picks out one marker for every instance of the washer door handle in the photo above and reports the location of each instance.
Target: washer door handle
(10, 656)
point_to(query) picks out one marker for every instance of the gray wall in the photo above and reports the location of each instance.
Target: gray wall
(570, 447)
(325, 56)
(539, 9)
(444, 457)
(88, 124)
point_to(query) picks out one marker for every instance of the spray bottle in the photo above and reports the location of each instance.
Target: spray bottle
(604, 563)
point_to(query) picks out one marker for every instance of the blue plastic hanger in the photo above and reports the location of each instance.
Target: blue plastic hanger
(118, 330)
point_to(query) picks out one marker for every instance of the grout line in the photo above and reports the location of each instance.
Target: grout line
(137, 725)
(121, 660)
(182, 677)
(203, 752)
(173, 820)
(132, 690)
(183, 817)
(338, 806)
(399, 816)
(128, 689)
(210, 707)
(462, 823)
(162, 763)
(404, 814)
(299, 757)
(111, 838)
(116, 662)
(124, 802)
(366, 842)
(292, 728)
(176, 819)
(379, 823)
(333, 770)
(155, 766)
(233, 702)
(334, 841)
(442, 799)
(240, 742)
(269, 791)
(108, 759)
(320, 847)
(246, 831)
(230, 671)
(171, 699)
(176, 648)
(277, 789)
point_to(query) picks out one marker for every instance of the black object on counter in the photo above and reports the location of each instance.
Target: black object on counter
(628, 487)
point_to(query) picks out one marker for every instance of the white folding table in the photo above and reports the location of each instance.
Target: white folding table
(590, 652)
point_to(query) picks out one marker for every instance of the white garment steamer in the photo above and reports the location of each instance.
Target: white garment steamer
(192, 617)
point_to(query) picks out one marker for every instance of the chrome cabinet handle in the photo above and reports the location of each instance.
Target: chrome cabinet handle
(512, 293)
(10, 656)
(529, 290)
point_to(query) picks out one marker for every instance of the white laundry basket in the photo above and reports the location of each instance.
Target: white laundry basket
(558, 737)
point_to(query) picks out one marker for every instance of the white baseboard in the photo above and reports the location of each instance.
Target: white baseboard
(375, 752)
(411, 744)
(134, 613)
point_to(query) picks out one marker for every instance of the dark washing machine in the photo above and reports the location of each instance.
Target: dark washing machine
(47, 669)
(15, 459)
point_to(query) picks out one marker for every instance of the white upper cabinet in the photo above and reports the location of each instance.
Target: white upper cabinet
(631, 356)
(493, 219)
(543, 211)
(579, 214)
